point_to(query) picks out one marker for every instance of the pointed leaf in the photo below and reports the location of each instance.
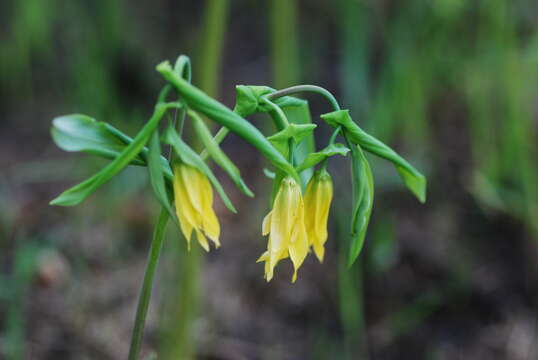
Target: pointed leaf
(413, 179)
(363, 198)
(78, 193)
(313, 159)
(77, 132)
(248, 100)
(217, 154)
(156, 177)
(294, 131)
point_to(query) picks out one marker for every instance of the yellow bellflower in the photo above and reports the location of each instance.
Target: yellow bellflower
(193, 196)
(317, 199)
(286, 229)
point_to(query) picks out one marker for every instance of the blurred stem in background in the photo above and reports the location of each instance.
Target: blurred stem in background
(284, 43)
(211, 45)
(179, 340)
(92, 65)
(30, 34)
(354, 33)
(18, 288)
(351, 295)
(354, 68)
(499, 91)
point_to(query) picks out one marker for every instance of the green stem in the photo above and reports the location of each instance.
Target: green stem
(281, 121)
(317, 90)
(147, 285)
(221, 134)
(305, 88)
(334, 134)
(331, 141)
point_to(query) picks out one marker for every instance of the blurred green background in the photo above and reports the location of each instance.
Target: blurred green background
(451, 84)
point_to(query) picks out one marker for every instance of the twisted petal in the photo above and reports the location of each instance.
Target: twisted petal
(202, 240)
(286, 229)
(193, 196)
(318, 199)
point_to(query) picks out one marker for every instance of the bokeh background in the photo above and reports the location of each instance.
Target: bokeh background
(451, 84)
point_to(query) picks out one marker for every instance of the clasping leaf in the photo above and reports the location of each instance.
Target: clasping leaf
(413, 179)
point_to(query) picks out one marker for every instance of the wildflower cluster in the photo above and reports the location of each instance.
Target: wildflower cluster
(184, 183)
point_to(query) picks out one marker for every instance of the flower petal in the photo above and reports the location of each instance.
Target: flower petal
(266, 225)
(202, 240)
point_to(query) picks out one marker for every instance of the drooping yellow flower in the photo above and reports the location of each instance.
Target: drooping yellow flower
(286, 229)
(193, 196)
(317, 199)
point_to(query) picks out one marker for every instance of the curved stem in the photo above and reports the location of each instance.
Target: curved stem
(334, 134)
(219, 136)
(305, 88)
(164, 93)
(281, 121)
(184, 69)
(317, 90)
(331, 141)
(147, 285)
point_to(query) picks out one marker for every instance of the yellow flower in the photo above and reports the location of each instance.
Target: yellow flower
(317, 199)
(286, 229)
(193, 196)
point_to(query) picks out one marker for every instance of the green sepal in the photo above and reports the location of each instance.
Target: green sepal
(413, 179)
(190, 157)
(314, 158)
(214, 110)
(363, 200)
(78, 193)
(297, 132)
(217, 154)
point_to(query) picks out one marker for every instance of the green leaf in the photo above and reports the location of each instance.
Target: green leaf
(363, 198)
(190, 157)
(314, 158)
(293, 131)
(156, 177)
(217, 154)
(248, 100)
(202, 103)
(77, 132)
(78, 193)
(413, 179)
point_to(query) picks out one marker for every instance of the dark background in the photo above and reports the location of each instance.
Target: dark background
(450, 84)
